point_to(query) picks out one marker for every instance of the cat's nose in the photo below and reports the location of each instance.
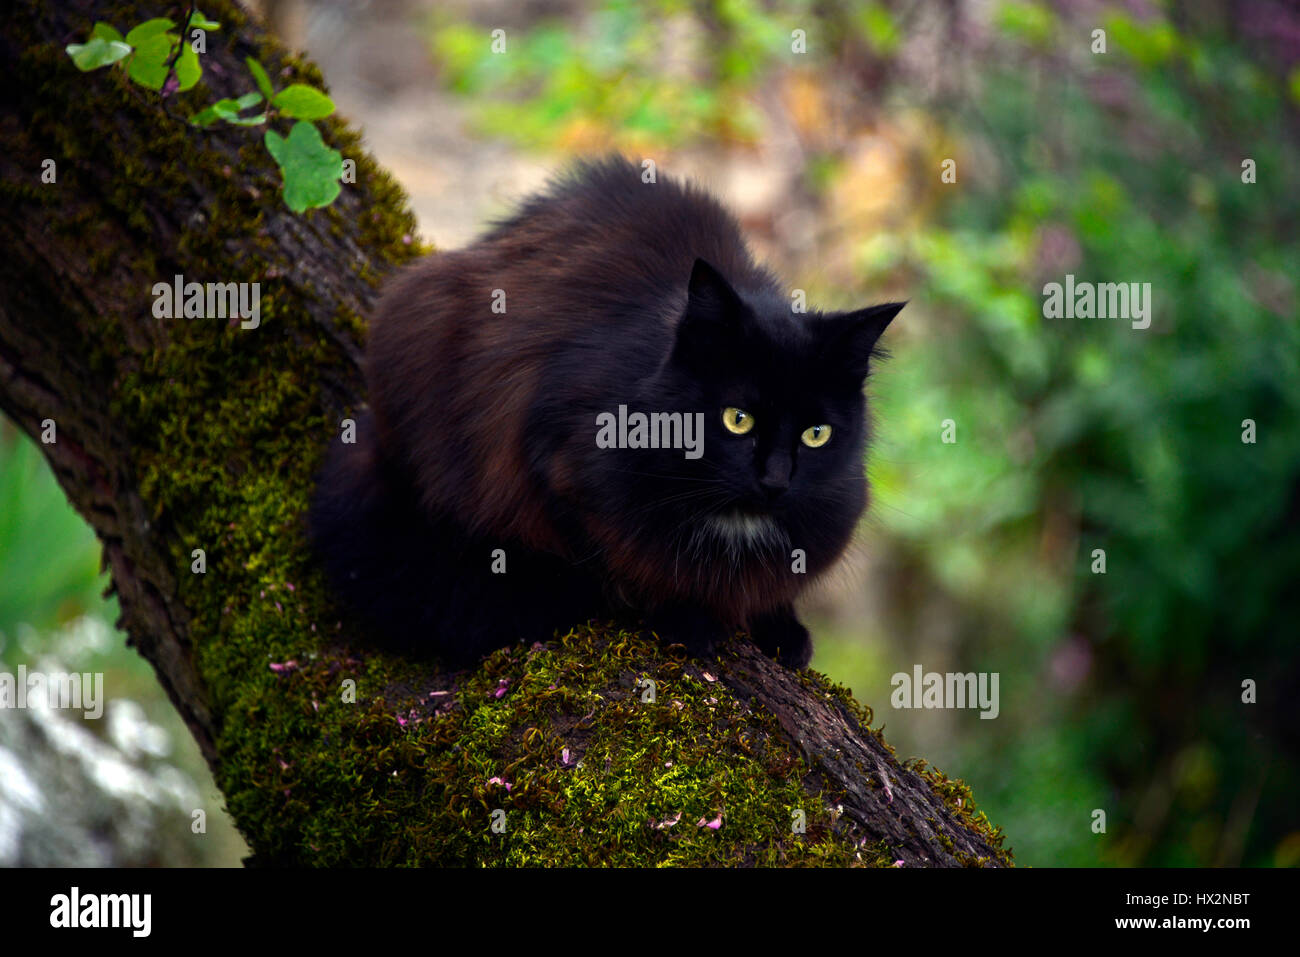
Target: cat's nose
(774, 488)
(776, 476)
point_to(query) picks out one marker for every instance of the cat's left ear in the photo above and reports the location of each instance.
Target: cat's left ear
(850, 337)
(714, 320)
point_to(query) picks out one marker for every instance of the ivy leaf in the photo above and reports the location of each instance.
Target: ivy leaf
(188, 69)
(150, 28)
(107, 31)
(303, 102)
(260, 78)
(96, 52)
(149, 65)
(311, 169)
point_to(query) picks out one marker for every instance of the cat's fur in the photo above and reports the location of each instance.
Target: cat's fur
(483, 432)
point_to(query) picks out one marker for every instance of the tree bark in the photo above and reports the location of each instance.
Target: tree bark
(184, 434)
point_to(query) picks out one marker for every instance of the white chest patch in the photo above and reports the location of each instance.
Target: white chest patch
(740, 529)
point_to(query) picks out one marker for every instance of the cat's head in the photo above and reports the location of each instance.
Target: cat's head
(784, 417)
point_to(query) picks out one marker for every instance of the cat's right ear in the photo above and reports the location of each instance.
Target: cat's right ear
(713, 321)
(849, 338)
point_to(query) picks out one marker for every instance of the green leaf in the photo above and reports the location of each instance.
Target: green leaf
(303, 102)
(311, 169)
(208, 115)
(188, 69)
(107, 31)
(260, 78)
(150, 28)
(96, 53)
(149, 65)
(228, 110)
(202, 22)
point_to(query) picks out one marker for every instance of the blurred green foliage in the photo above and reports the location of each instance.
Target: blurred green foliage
(1126, 169)
(49, 581)
(1120, 691)
(553, 80)
(49, 559)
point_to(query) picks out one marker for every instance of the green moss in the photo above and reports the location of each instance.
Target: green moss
(638, 780)
(959, 799)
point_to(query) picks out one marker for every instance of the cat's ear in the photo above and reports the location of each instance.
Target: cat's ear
(709, 294)
(714, 318)
(849, 338)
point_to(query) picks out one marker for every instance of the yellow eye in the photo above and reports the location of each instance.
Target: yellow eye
(737, 420)
(817, 436)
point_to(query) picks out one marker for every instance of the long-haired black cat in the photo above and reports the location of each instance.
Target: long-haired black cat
(603, 407)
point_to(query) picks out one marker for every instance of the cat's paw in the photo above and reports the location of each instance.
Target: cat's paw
(782, 637)
(695, 630)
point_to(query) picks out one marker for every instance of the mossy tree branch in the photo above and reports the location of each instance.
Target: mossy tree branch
(184, 434)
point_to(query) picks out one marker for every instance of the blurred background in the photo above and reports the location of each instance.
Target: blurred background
(1163, 150)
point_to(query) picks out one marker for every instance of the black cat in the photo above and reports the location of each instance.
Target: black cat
(602, 406)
